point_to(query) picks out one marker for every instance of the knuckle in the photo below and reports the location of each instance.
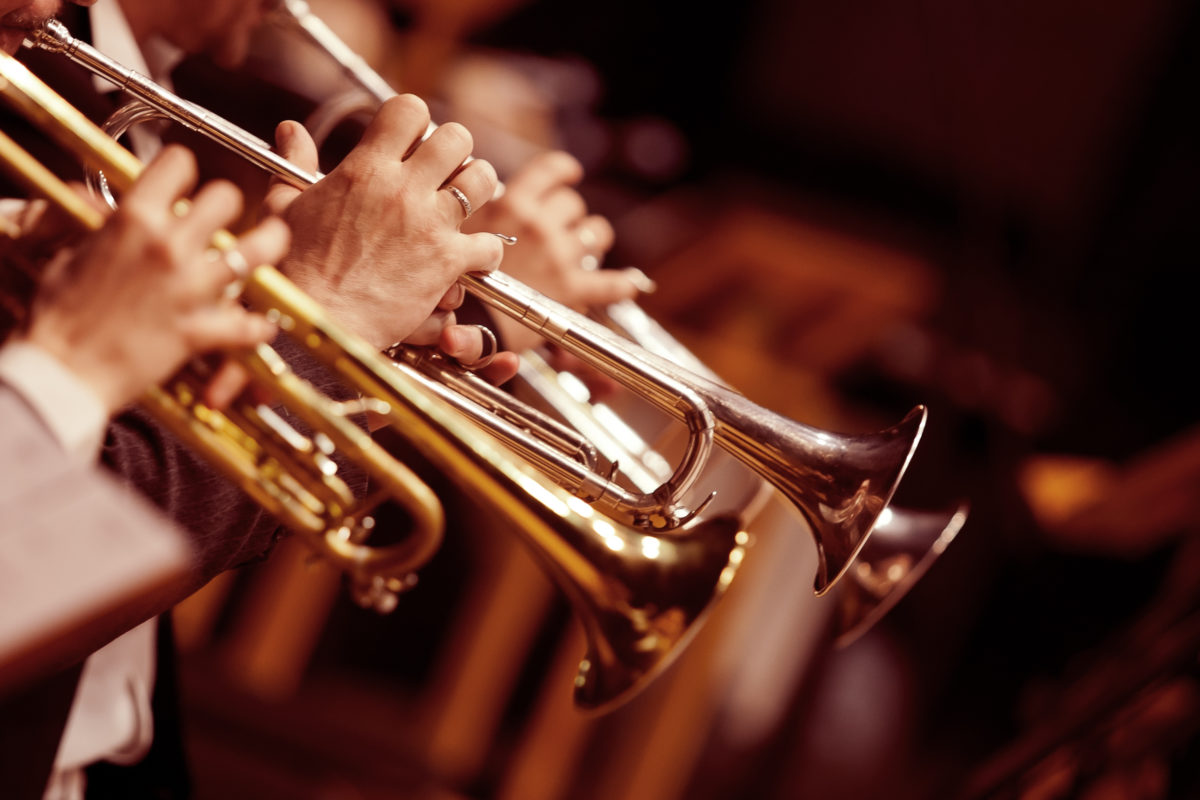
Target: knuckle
(489, 177)
(407, 105)
(457, 135)
(575, 205)
(495, 252)
(179, 157)
(603, 229)
(562, 163)
(134, 215)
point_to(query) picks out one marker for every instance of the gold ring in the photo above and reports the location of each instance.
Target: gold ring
(461, 198)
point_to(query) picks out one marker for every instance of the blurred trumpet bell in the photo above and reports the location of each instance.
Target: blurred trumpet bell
(901, 549)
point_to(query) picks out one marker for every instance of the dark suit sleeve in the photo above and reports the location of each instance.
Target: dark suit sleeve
(226, 527)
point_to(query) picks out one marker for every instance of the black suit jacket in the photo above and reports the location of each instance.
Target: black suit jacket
(226, 527)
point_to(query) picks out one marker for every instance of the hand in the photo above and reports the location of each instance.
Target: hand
(465, 344)
(144, 294)
(377, 241)
(556, 237)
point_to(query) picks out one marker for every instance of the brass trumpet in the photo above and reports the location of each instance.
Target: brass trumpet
(903, 545)
(290, 475)
(639, 597)
(839, 482)
(902, 548)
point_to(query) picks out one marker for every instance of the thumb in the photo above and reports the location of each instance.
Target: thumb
(293, 143)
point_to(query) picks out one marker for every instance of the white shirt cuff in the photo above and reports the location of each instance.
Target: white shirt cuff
(67, 405)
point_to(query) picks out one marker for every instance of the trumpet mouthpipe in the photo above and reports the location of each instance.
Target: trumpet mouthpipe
(842, 511)
(297, 14)
(54, 37)
(640, 597)
(840, 483)
(275, 465)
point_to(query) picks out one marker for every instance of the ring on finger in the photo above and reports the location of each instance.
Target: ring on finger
(237, 265)
(462, 199)
(587, 237)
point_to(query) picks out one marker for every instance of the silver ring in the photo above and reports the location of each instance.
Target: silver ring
(461, 198)
(490, 344)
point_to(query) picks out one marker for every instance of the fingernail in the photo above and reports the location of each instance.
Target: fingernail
(457, 340)
(641, 280)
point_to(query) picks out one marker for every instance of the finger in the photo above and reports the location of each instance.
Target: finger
(596, 234)
(440, 156)
(395, 129)
(604, 287)
(502, 369)
(225, 327)
(226, 384)
(216, 205)
(265, 243)
(294, 144)
(563, 206)
(484, 252)
(477, 181)
(453, 298)
(462, 342)
(171, 175)
(544, 172)
(430, 330)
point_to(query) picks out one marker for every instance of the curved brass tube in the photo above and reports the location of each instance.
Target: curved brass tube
(640, 597)
(839, 482)
(288, 474)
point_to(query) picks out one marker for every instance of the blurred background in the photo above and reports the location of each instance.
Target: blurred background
(849, 208)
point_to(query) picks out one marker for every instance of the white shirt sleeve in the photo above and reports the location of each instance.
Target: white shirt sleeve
(67, 405)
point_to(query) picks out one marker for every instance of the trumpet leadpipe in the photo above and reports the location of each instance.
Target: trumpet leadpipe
(840, 483)
(640, 597)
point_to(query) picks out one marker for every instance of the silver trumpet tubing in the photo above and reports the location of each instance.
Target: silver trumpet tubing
(839, 482)
(639, 597)
(904, 544)
(658, 509)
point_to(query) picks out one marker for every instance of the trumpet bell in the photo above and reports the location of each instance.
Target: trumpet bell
(903, 547)
(636, 625)
(840, 482)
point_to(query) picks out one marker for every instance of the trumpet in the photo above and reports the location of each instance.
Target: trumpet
(292, 476)
(903, 546)
(839, 482)
(639, 597)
